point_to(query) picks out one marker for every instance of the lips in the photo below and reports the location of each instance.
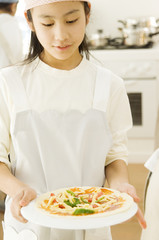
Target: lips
(62, 47)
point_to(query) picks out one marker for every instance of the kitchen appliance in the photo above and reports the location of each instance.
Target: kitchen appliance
(139, 69)
(143, 22)
(138, 32)
(149, 22)
(136, 36)
(129, 22)
(116, 43)
(98, 39)
(134, 33)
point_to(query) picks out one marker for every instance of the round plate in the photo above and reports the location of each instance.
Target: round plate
(35, 215)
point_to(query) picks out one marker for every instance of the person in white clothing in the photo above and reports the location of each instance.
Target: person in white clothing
(63, 119)
(10, 40)
(11, 43)
(151, 198)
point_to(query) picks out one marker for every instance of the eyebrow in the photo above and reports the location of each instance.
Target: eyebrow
(66, 14)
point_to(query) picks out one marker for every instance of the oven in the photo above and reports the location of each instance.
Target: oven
(140, 78)
(140, 71)
(143, 102)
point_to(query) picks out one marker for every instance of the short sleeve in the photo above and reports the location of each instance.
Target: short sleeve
(13, 44)
(120, 120)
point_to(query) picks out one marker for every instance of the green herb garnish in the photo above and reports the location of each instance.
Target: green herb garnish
(83, 211)
(84, 201)
(71, 193)
(100, 199)
(74, 204)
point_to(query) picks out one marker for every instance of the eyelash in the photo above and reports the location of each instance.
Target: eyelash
(51, 24)
(73, 21)
(47, 25)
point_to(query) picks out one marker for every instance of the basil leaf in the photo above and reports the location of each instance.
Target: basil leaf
(74, 204)
(76, 201)
(81, 211)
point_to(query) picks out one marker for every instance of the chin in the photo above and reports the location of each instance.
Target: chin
(62, 56)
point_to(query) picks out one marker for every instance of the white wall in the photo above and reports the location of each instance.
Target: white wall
(105, 13)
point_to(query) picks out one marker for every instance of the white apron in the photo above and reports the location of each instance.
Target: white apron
(55, 150)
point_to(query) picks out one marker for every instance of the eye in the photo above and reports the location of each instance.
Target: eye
(72, 21)
(48, 25)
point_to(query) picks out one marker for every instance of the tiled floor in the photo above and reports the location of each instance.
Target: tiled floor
(131, 229)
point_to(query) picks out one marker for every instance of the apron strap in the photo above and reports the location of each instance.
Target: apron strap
(17, 90)
(102, 89)
(18, 93)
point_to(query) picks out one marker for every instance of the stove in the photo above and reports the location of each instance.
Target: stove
(139, 68)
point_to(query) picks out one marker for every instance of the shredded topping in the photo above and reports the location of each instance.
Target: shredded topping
(82, 201)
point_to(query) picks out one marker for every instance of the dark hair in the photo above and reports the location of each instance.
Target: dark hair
(36, 48)
(6, 7)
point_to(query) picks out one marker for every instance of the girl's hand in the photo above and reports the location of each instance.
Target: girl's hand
(129, 189)
(22, 199)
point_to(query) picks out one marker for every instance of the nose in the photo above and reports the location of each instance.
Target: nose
(60, 32)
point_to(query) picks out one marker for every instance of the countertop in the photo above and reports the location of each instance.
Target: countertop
(127, 54)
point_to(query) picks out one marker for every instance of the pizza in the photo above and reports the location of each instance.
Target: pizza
(84, 201)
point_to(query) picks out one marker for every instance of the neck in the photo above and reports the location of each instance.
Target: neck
(67, 64)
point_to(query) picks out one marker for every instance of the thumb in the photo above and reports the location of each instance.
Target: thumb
(135, 197)
(25, 200)
(132, 192)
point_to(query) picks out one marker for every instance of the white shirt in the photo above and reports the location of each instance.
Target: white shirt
(61, 90)
(152, 162)
(10, 41)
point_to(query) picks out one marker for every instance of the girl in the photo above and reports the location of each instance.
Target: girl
(62, 119)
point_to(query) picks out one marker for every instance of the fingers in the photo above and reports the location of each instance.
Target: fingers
(132, 192)
(27, 198)
(129, 189)
(141, 219)
(22, 199)
(16, 208)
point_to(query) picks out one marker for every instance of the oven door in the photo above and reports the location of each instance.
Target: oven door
(142, 95)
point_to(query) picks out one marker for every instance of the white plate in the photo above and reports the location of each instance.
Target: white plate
(34, 215)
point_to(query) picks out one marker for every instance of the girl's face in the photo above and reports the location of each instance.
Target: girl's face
(60, 28)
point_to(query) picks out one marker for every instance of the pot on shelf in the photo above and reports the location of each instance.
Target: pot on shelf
(98, 39)
(149, 22)
(137, 37)
(139, 32)
(129, 23)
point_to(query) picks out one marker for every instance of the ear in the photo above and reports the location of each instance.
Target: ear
(30, 23)
(13, 8)
(88, 15)
(87, 18)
